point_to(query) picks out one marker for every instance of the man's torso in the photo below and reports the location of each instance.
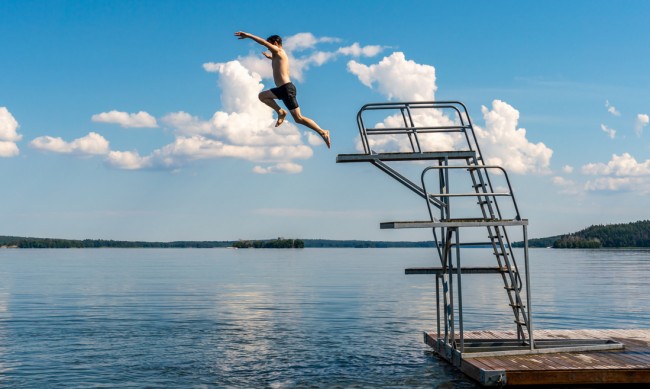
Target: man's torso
(280, 64)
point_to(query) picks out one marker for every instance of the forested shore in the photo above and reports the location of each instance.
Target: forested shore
(52, 243)
(635, 234)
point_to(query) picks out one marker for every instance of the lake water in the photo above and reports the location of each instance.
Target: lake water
(276, 318)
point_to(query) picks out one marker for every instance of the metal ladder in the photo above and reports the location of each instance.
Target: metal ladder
(498, 236)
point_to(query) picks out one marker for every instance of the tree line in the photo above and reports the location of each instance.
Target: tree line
(52, 243)
(635, 234)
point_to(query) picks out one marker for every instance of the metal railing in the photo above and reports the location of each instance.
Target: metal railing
(406, 111)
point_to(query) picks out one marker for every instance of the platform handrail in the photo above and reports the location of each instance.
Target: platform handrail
(410, 129)
(509, 193)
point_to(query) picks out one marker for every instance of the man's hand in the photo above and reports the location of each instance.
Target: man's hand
(242, 35)
(267, 55)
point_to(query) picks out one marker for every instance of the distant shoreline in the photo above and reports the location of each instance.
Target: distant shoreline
(14, 242)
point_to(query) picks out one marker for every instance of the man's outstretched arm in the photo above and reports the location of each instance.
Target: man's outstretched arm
(244, 35)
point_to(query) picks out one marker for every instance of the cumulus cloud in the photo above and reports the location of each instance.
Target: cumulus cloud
(611, 109)
(641, 121)
(502, 142)
(356, 50)
(127, 160)
(619, 165)
(398, 78)
(287, 167)
(609, 131)
(506, 145)
(305, 40)
(91, 144)
(244, 129)
(621, 173)
(8, 134)
(126, 120)
(616, 184)
(568, 169)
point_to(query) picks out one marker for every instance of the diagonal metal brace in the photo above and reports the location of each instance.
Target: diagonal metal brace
(406, 182)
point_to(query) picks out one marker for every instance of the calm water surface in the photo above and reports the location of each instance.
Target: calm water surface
(275, 318)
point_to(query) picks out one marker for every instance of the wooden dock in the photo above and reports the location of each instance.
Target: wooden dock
(628, 366)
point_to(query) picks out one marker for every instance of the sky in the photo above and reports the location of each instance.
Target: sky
(140, 120)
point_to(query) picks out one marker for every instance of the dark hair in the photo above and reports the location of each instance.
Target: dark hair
(274, 38)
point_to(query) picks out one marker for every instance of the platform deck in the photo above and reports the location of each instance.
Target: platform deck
(628, 366)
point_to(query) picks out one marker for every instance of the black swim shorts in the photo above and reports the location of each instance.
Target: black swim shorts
(287, 93)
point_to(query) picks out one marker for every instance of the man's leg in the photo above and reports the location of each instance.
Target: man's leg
(305, 121)
(268, 98)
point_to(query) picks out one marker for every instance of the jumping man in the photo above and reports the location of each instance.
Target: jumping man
(284, 90)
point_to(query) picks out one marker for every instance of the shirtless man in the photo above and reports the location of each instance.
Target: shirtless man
(284, 90)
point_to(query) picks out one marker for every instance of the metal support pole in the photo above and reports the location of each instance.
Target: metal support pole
(528, 297)
(460, 293)
(438, 305)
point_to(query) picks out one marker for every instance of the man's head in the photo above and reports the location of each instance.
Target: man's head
(274, 40)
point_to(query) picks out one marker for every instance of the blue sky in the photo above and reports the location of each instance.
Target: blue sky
(139, 120)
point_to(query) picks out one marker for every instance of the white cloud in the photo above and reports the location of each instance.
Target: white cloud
(8, 149)
(621, 173)
(609, 131)
(617, 184)
(398, 78)
(611, 109)
(641, 121)
(8, 134)
(568, 169)
(506, 145)
(623, 165)
(127, 160)
(126, 120)
(8, 126)
(287, 167)
(187, 124)
(356, 50)
(305, 40)
(91, 144)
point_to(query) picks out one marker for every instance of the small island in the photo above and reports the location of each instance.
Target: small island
(279, 243)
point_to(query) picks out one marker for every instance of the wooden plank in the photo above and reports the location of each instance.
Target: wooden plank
(629, 366)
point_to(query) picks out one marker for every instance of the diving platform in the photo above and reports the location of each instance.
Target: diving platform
(461, 193)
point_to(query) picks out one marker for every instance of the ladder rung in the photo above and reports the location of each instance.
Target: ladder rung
(515, 305)
(501, 254)
(484, 202)
(479, 185)
(509, 288)
(522, 323)
(495, 236)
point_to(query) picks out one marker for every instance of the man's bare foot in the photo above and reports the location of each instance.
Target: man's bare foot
(326, 137)
(281, 115)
